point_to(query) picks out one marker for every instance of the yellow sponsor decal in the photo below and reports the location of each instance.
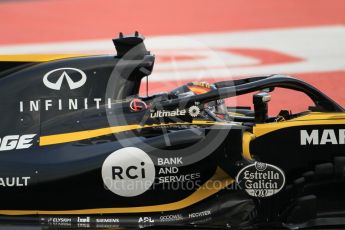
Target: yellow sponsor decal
(247, 138)
(309, 119)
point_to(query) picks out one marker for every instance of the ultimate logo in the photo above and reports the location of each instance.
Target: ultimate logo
(193, 111)
(261, 179)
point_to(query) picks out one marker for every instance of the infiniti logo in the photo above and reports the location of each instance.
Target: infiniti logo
(57, 85)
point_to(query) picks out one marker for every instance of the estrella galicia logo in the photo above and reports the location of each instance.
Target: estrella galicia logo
(61, 74)
(261, 179)
(137, 105)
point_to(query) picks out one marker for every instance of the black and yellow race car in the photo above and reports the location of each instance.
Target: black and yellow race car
(79, 147)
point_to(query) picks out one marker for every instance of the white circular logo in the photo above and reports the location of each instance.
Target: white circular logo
(128, 172)
(261, 179)
(194, 111)
(71, 84)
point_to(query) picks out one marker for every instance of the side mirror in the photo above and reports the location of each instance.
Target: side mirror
(260, 101)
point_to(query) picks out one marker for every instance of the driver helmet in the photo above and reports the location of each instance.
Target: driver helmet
(217, 107)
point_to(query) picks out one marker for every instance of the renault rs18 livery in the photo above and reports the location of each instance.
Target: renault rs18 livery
(81, 147)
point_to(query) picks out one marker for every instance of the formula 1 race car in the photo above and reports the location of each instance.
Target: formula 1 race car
(79, 147)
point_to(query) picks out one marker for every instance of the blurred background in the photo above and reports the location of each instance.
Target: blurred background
(195, 40)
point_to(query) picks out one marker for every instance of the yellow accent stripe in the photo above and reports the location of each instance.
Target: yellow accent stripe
(321, 116)
(37, 57)
(218, 182)
(236, 114)
(82, 135)
(247, 138)
(311, 119)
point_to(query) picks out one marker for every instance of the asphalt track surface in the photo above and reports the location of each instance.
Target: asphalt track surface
(195, 40)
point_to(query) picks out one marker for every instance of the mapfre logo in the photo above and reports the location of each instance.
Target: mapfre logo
(54, 79)
(323, 137)
(12, 142)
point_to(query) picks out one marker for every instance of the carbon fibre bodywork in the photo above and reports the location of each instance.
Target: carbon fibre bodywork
(63, 120)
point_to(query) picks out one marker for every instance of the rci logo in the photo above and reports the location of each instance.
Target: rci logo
(128, 172)
(62, 73)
